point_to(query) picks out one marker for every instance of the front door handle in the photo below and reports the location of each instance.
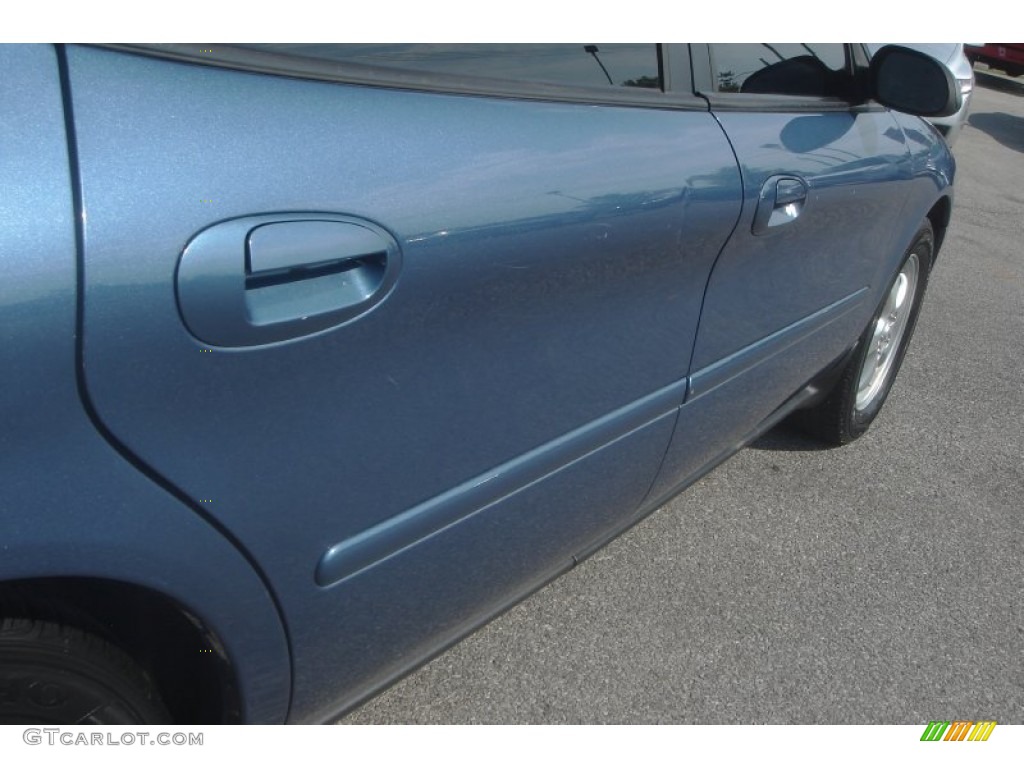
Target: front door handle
(782, 201)
(263, 279)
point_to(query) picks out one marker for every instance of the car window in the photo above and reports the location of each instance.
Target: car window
(793, 69)
(593, 65)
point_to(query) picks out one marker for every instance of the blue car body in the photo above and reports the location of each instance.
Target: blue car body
(560, 316)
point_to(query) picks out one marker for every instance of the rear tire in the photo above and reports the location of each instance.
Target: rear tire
(856, 399)
(59, 675)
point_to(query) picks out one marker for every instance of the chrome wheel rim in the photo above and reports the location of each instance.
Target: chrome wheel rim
(889, 329)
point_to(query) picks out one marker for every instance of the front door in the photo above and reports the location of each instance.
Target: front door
(797, 280)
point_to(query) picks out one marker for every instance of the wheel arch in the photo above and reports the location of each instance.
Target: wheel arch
(939, 216)
(159, 585)
(184, 655)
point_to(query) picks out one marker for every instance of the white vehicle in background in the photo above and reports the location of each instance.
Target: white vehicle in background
(953, 56)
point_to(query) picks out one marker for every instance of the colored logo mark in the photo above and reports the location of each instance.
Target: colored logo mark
(958, 730)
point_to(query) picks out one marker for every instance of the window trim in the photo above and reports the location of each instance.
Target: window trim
(286, 65)
(677, 70)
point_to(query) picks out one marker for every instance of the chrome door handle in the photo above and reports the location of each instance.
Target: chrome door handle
(782, 200)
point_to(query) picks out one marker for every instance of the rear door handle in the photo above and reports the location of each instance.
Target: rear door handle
(782, 201)
(270, 278)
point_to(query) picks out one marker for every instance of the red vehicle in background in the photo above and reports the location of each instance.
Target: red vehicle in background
(1009, 57)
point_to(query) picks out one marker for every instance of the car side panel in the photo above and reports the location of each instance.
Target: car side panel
(933, 169)
(71, 505)
(783, 305)
(855, 165)
(417, 468)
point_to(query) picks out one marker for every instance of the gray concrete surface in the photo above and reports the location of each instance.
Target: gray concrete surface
(881, 582)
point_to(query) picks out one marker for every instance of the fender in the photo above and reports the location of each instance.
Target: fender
(71, 505)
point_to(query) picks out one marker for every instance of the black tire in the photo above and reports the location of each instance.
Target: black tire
(58, 675)
(858, 396)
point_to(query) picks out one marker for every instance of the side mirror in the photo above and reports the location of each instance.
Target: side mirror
(910, 81)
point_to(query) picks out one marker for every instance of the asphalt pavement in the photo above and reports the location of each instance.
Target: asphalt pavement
(882, 582)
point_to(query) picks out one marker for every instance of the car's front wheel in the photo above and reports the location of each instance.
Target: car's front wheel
(858, 396)
(59, 675)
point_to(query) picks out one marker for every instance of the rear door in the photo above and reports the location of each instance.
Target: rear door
(409, 324)
(823, 175)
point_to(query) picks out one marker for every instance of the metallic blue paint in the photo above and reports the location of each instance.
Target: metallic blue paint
(779, 290)
(72, 506)
(477, 494)
(262, 279)
(553, 260)
(852, 164)
(738, 363)
(562, 316)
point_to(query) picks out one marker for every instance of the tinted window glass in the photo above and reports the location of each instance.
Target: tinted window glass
(607, 65)
(795, 69)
